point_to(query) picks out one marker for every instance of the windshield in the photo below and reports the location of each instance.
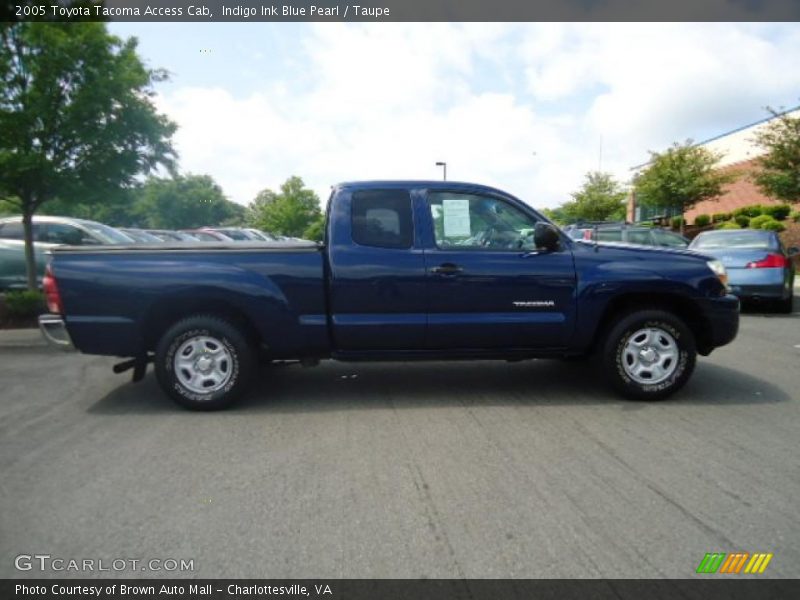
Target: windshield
(107, 234)
(738, 239)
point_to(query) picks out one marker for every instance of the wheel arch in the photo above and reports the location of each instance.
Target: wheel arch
(682, 307)
(162, 315)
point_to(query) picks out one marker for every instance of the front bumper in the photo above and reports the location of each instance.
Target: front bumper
(54, 331)
(722, 316)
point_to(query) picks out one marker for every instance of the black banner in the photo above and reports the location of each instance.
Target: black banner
(736, 588)
(401, 10)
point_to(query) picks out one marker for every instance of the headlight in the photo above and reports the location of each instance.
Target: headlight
(719, 270)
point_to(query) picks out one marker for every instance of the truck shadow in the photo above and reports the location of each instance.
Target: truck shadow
(341, 386)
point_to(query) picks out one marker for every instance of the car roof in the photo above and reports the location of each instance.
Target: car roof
(765, 232)
(430, 184)
(50, 219)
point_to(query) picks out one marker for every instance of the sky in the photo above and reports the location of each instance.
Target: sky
(529, 108)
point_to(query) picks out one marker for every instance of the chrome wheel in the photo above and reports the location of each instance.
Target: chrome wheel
(650, 355)
(203, 364)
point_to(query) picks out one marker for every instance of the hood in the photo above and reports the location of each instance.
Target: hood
(641, 249)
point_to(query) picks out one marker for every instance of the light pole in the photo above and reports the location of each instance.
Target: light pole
(444, 165)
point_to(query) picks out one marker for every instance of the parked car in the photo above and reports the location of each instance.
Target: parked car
(627, 234)
(207, 235)
(167, 235)
(140, 236)
(759, 267)
(47, 232)
(394, 281)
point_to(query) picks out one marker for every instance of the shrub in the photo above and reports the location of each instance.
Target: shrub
(24, 303)
(676, 222)
(702, 220)
(757, 222)
(753, 210)
(795, 216)
(728, 225)
(773, 225)
(742, 220)
(778, 211)
(719, 217)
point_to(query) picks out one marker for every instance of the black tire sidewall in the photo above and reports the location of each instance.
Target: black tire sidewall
(229, 336)
(615, 344)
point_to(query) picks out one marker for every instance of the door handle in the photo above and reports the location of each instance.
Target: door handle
(447, 269)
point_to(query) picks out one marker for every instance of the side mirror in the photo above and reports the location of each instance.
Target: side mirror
(793, 251)
(546, 236)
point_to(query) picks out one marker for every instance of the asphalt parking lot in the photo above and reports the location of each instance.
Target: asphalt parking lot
(478, 470)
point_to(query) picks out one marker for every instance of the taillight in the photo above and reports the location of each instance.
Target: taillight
(51, 292)
(772, 261)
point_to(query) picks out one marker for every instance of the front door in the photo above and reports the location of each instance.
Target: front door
(488, 286)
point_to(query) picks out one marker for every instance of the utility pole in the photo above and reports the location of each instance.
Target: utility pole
(444, 165)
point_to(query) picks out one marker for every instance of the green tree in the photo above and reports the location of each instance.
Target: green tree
(77, 121)
(680, 177)
(316, 231)
(289, 212)
(600, 198)
(184, 202)
(779, 176)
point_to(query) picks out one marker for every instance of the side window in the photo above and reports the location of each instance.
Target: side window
(12, 231)
(59, 233)
(609, 235)
(468, 221)
(664, 238)
(640, 237)
(382, 218)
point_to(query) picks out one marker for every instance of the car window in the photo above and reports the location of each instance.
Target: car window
(736, 239)
(470, 221)
(11, 231)
(637, 236)
(203, 237)
(15, 231)
(609, 235)
(665, 238)
(105, 234)
(382, 218)
(61, 233)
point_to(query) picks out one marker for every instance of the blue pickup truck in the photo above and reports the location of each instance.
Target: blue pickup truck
(408, 271)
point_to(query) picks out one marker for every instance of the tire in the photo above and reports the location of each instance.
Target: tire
(656, 344)
(204, 363)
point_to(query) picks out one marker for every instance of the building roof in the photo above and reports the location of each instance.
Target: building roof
(737, 145)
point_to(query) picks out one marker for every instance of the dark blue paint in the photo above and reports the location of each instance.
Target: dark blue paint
(359, 302)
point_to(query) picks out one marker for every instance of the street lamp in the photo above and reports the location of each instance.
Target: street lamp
(443, 164)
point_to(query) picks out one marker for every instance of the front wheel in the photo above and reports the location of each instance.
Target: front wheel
(649, 354)
(204, 363)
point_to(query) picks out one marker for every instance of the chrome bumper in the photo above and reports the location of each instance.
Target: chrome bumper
(54, 330)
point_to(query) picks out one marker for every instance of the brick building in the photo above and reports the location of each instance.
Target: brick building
(739, 156)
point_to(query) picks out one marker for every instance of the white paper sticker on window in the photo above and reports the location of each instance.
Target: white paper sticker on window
(456, 218)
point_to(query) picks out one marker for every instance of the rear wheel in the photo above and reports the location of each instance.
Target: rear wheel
(649, 354)
(204, 362)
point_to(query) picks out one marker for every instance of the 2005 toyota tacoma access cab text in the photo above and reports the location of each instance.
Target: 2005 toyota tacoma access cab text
(408, 270)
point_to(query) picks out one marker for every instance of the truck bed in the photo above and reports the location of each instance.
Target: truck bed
(118, 298)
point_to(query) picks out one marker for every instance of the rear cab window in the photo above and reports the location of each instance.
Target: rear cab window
(382, 219)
